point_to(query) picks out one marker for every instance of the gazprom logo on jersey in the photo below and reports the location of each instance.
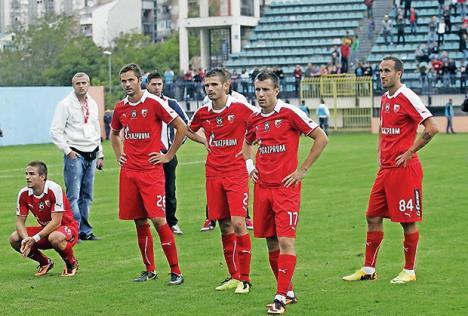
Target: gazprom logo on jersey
(272, 149)
(391, 130)
(222, 142)
(129, 135)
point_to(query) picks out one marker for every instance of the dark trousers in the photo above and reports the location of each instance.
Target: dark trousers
(171, 201)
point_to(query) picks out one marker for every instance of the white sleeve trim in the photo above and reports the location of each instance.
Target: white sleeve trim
(417, 103)
(58, 193)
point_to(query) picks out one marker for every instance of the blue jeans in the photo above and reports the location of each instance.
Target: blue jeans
(79, 179)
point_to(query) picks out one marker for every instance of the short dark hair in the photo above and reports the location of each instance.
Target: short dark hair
(220, 73)
(41, 167)
(398, 62)
(265, 75)
(153, 75)
(132, 67)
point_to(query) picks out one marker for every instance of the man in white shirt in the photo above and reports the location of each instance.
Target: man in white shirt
(76, 131)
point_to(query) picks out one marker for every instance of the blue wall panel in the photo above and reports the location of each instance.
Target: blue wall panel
(26, 113)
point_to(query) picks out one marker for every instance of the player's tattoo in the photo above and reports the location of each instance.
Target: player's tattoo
(426, 137)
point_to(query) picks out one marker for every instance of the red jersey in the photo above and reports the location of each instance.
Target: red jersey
(400, 116)
(52, 200)
(142, 124)
(224, 130)
(278, 139)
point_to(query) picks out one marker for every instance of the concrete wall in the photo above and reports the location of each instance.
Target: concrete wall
(26, 112)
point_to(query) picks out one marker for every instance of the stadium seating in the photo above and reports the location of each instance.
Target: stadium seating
(298, 32)
(304, 31)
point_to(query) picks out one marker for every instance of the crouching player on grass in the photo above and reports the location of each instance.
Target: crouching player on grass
(57, 228)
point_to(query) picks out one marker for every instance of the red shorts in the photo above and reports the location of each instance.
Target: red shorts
(70, 232)
(227, 197)
(142, 194)
(397, 194)
(276, 211)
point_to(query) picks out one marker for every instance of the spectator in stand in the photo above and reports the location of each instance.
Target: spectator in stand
(344, 56)
(359, 71)
(421, 54)
(254, 74)
(244, 77)
(440, 32)
(449, 115)
(334, 58)
(400, 25)
(323, 70)
(376, 78)
(387, 30)
(447, 20)
(369, 4)
(310, 71)
(446, 73)
(297, 79)
(461, 4)
(422, 69)
(433, 50)
(280, 74)
(462, 45)
(198, 90)
(188, 82)
(347, 39)
(367, 69)
(169, 83)
(432, 28)
(437, 69)
(356, 43)
(235, 79)
(452, 69)
(453, 5)
(413, 19)
(462, 77)
(370, 28)
(407, 8)
(440, 8)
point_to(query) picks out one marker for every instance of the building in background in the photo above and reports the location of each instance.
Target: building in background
(222, 25)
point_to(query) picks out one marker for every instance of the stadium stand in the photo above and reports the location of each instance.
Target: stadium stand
(298, 32)
(305, 31)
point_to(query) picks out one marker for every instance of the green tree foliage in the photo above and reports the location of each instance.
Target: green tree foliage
(50, 52)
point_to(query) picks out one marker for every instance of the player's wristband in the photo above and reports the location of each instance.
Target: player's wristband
(36, 237)
(249, 165)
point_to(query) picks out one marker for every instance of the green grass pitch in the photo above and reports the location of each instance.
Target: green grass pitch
(330, 243)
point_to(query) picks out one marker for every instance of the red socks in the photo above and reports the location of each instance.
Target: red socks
(38, 256)
(244, 246)
(67, 254)
(230, 255)
(145, 243)
(169, 247)
(286, 266)
(410, 246)
(273, 258)
(373, 241)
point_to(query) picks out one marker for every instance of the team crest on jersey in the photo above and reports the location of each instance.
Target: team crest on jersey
(133, 114)
(231, 118)
(396, 108)
(266, 126)
(219, 120)
(278, 123)
(387, 107)
(41, 205)
(144, 112)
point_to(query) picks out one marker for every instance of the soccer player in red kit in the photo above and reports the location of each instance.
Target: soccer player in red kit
(138, 119)
(224, 121)
(276, 130)
(397, 190)
(57, 228)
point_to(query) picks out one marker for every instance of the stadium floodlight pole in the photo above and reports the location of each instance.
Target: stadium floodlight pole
(108, 53)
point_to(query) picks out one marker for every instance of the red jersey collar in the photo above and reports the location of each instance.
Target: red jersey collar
(227, 105)
(143, 98)
(403, 86)
(46, 189)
